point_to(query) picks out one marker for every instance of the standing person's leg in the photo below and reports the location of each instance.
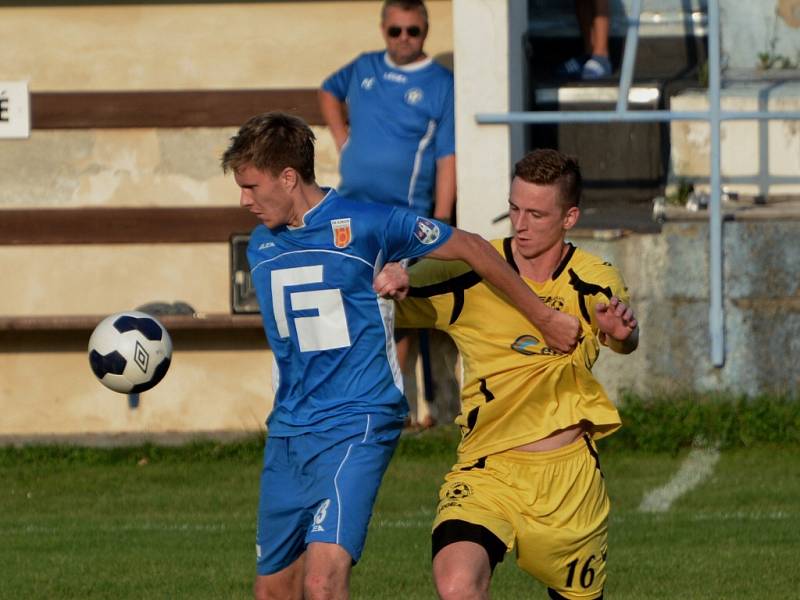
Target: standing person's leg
(407, 345)
(572, 68)
(351, 462)
(585, 13)
(322, 572)
(281, 525)
(462, 571)
(327, 572)
(472, 531)
(599, 64)
(446, 382)
(562, 538)
(317, 494)
(600, 28)
(286, 584)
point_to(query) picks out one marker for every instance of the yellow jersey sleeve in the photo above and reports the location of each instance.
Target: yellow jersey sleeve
(435, 285)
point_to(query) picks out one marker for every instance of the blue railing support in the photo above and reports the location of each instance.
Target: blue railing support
(716, 310)
(714, 116)
(629, 56)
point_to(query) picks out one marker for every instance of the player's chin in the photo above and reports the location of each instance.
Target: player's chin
(527, 248)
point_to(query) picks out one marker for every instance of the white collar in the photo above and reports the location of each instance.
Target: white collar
(311, 210)
(415, 66)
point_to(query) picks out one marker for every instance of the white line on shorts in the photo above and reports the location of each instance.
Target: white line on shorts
(695, 469)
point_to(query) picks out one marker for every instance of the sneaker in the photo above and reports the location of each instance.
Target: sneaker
(571, 68)
(597, 67)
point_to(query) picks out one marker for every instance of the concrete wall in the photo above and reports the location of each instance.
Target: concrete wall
(757, 158)
(668, 277)
(223, 45)
(124, 47)
(170, 47)
(750, 28)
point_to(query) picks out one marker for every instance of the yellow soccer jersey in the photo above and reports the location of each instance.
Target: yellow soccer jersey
(515, 389)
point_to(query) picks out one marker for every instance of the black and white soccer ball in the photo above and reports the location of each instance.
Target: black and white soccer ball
(130, 352)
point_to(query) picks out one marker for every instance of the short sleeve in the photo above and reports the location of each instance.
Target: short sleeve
(431, 301)
(610, 281)
(445, 138)
(407, 235)
(339, 82)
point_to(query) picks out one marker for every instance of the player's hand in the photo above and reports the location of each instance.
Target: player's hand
(391, 282)
(615, 319)
(562, 332)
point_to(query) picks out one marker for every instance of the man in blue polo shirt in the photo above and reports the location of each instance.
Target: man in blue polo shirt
(399, 145)
(338, 406)
(391, 114)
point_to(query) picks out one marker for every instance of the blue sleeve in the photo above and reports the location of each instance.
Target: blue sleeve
(444, 142)
(408, 235)
(338, 83)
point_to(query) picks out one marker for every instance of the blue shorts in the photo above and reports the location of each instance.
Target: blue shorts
(320, 487)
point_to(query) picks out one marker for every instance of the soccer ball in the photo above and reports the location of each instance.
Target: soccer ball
(130, 352)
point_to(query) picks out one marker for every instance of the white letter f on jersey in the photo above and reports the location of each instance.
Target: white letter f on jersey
(325, 331)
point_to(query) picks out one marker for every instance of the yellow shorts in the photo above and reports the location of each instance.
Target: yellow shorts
(552, 505)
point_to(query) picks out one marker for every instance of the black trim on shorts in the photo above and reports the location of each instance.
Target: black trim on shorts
(554, 595)
(593, 452)
(455, 530)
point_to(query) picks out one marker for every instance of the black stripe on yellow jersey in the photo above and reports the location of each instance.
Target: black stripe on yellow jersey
(516, 389)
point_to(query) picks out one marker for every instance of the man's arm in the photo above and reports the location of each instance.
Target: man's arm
(560, 330)
(335, 114)
(618, 327)
(445, 190)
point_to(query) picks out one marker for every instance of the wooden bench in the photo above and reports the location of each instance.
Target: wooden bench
(126, 226)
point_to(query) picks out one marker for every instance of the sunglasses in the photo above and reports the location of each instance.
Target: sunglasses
(394, 31)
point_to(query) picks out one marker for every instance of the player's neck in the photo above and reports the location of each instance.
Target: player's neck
(541, 267)
(307, 196)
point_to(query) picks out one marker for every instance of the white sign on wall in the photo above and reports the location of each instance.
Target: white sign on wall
(15, 113)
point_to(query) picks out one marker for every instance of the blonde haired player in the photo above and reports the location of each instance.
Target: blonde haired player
(528, 474)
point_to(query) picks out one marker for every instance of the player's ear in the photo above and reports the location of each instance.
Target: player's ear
(571, 217)
(288, 178)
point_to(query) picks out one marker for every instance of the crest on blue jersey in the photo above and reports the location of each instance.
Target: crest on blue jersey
(427, 232)
(342, 234)
(414, 96)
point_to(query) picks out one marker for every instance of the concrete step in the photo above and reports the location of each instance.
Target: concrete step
(672, 38)
(758, 158)
(660, 18)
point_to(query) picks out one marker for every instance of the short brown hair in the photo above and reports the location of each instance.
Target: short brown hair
(271, 142)
(546, 166)
(406, 5)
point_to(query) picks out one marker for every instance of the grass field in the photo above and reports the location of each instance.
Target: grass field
(178, 523)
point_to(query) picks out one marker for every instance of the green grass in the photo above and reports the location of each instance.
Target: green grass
(78, 523)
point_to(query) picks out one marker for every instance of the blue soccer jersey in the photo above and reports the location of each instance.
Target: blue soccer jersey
(330, 333)
(401, 122)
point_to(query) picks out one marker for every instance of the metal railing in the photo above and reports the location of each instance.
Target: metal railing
(715, 115)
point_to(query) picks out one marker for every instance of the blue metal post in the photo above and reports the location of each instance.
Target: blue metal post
(714, 116)
(716, 314)
(629, 57)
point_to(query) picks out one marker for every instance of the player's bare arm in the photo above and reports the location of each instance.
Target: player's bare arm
(335, 115)
(392, 282)
(619, 329)
(560, 330)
